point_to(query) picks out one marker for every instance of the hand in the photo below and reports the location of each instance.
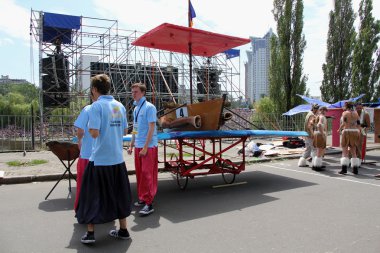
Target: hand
(143, 151)
(129, 150)
(80, 144)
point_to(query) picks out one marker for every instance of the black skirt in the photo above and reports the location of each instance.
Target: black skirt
(105, 194)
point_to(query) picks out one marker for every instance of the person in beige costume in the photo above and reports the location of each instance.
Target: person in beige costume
(350, 138)
(319, 140)
(309, 127)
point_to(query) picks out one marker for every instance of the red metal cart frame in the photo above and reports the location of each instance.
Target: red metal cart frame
(210, 162)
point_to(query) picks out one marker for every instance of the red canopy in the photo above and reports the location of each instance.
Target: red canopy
(176, 38)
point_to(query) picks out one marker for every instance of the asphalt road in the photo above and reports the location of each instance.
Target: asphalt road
(271, 207)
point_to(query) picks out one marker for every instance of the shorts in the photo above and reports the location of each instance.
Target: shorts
(350, 138)
(319, 140)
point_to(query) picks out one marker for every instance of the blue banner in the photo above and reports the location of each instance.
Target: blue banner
(231, 53)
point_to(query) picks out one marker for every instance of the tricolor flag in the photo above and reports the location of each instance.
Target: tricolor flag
(191, 14)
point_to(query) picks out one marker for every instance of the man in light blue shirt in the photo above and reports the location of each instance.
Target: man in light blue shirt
(144, 138)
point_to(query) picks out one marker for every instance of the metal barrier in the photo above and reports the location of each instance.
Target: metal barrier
(24, 132)
(16, 133)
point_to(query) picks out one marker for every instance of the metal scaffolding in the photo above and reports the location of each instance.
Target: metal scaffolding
(101, 46)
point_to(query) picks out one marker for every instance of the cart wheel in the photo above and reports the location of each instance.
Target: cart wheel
(181, 180)
(228, 172)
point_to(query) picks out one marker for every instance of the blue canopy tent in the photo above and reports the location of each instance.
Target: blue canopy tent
(340, 104)
(314, 101)
(298, 109)
(307, 107)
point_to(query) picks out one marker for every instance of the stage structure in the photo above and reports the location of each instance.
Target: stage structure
(71, 49)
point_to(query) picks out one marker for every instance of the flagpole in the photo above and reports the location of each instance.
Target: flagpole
(190, 57)
(188, 14)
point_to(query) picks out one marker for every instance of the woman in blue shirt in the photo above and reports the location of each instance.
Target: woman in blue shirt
(105, 194)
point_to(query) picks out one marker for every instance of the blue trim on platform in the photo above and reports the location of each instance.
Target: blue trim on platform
(223, 134)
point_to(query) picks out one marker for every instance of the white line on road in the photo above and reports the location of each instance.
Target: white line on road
(228, 185)
(322, 175)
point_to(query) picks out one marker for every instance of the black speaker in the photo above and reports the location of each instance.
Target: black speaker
(56, 99)
(56, 70)
(208, 78)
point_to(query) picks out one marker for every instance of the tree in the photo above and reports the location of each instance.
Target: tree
(376, 75)
(276, 89)
(16, 99)
(337, 70)
(286, 70)
(363, 74)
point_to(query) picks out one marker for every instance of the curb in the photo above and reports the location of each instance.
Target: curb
(40, 178)
(57, 176)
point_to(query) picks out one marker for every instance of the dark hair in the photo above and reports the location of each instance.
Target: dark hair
(141, 86)
(314, 107)
(349, 105)
(102, 83)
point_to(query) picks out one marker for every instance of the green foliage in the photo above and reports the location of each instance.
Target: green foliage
(337, 70)
(363, 75)
(17, 99)
(376, 75)
(18, 163)
(286, 78)
(265, 105)
(276, 89)
(265, 110)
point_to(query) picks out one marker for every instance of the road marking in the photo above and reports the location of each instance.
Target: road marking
(228, 185)
(321, 175)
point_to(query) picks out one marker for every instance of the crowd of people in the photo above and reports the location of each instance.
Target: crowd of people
(103, 188)
(354, 125)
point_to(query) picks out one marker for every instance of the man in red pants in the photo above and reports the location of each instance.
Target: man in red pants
(144, 138)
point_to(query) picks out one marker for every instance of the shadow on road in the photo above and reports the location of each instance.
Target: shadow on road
(201, 199)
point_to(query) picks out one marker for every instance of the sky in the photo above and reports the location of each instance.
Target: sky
(242, 18)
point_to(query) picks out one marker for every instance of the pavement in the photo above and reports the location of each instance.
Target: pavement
(53, 169)
(272, 206)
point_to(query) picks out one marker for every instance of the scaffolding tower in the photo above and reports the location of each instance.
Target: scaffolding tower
(74, 48)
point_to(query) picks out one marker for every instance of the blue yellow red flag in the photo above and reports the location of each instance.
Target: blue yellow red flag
(191, 14)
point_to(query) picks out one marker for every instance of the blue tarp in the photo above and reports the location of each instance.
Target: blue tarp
(223, 133)
(62, 21)
(59, 26)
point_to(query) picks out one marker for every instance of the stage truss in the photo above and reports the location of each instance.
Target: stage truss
(101, 46)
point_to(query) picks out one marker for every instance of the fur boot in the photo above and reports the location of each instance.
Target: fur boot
(302, 162)
(317, 164)
(355, 162)
(345, 162)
